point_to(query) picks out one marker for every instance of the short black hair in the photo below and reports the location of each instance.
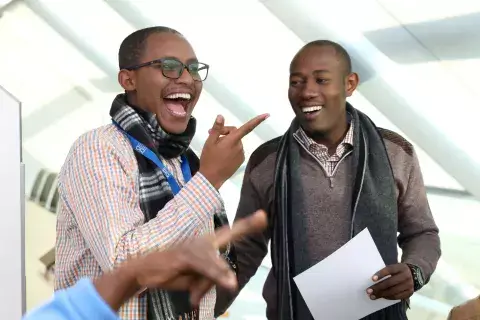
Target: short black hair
(344, 56)
(133, 46)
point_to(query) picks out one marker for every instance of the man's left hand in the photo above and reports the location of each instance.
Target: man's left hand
(398, 286)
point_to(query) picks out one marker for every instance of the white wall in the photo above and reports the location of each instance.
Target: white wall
(12, 287)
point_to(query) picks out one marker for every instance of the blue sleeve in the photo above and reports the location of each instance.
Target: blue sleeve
(80, 302)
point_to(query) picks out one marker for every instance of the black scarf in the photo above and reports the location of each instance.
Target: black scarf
(374, 205)
(155, 192)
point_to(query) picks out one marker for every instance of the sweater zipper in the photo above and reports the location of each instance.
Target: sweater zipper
(330, 178)
(336, 167)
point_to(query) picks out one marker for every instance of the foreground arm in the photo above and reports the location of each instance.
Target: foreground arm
(184, 268)
(80, 302)
(98, 185)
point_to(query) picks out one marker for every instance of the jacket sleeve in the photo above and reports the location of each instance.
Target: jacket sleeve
(251, 250)
(100, 191)
(418, 239)
(79, 302)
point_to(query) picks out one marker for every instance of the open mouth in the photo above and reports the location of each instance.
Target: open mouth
(312, 111)
(178, 103)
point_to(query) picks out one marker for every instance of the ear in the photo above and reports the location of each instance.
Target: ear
(126, 79)
(351, 83)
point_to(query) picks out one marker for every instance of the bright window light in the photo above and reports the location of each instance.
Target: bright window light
(41, 65)
(459, 237)
(466, 71)
(433, 174)
(455, 113)
(94, 21)
(251, 61)
(414, 11)
(63, 133)
(4, 2)
(54, 82)
(382, 14)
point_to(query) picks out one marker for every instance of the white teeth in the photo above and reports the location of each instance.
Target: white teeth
(186, 96)
(179, 113)
(312, 109)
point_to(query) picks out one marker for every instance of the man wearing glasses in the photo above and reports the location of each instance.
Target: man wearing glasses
(135, 186)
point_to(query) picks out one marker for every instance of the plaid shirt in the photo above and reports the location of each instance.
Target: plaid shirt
(320, 152)
(100, 222)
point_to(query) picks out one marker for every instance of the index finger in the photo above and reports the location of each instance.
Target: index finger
(254, 223)
(248, 127)
(216, 129)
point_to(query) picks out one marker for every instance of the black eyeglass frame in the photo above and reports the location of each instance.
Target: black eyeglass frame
(162, 60)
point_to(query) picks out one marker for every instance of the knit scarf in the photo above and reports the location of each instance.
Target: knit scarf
(374, 206)
(155, 192)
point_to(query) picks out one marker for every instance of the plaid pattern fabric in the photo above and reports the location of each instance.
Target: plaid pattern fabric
(155, 192)
(320, 152)
(100, 222)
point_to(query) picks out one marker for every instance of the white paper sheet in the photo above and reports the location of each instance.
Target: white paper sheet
(336, 288)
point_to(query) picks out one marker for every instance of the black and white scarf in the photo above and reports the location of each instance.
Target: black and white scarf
(155, 192)
(374, 206)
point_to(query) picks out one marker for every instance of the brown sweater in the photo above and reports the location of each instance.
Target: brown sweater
(327, 230)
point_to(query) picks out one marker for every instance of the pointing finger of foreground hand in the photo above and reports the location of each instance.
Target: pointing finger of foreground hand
(254, 223)
(249, 126)
(200, 287)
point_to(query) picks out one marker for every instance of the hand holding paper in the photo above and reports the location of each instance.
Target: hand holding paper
(335, 288)
(398, 285)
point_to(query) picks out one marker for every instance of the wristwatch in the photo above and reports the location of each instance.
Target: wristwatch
(417, 275)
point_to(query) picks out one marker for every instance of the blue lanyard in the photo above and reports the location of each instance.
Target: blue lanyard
(149, 154)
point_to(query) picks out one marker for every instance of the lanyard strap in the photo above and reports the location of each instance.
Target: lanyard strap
(150, 155)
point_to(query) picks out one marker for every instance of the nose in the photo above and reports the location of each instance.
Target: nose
(185, 78)
(310, 91)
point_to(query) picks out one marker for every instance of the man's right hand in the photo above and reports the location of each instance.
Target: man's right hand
(195, 265)
(223, 153)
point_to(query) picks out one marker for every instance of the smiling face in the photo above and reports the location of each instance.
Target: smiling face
(172, 100)
(319, 86)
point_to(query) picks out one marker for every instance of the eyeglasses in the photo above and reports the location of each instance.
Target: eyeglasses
(173, 68)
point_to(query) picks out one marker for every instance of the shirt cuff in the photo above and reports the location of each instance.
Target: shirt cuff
(202, 196)
(85, 298)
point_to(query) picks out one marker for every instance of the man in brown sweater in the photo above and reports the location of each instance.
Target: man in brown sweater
(333, 174)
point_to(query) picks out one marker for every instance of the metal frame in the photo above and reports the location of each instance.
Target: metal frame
(22, 204)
